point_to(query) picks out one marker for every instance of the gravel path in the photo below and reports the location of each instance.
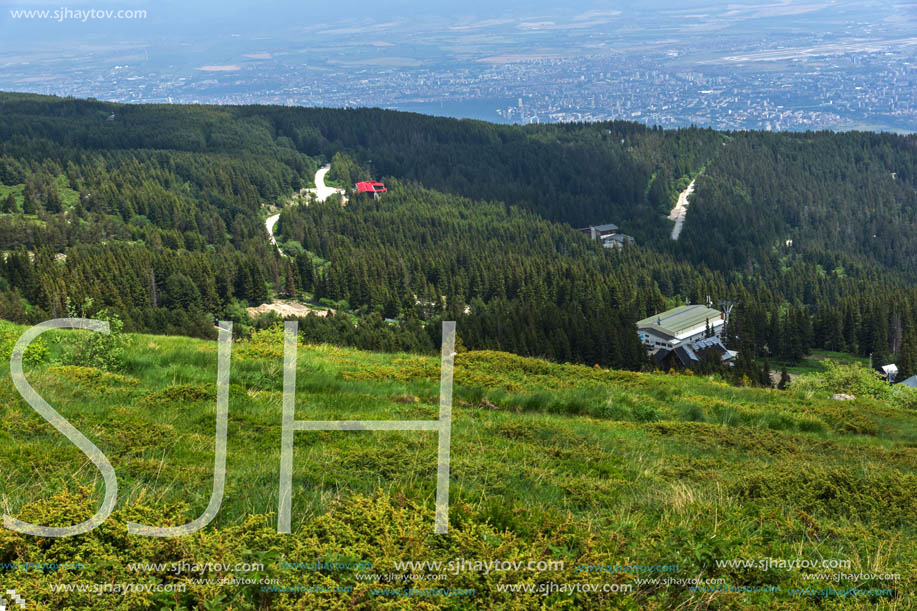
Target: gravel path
(321, 191)
(681, 210)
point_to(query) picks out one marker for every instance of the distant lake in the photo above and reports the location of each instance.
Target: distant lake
(484, 109)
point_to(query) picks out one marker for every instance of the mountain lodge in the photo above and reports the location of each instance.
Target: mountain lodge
(369, 186)
(687, 322)
(683, 336)
(608, 235)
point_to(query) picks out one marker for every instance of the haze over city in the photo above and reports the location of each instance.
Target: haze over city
(489, 304)
(790, 66)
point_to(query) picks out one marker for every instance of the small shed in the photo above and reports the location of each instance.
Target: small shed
(890, 372)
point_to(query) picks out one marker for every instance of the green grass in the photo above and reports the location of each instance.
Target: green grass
(815, 362)
(549, 461)
(16, 190)
(332, 181)
(68, 196)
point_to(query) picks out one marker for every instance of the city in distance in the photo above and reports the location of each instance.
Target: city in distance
(793, 65)
(485, 305)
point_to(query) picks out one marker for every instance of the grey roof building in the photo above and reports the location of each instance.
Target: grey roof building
(688, 322)
(911, 382)
(608, 235)
(688, 354)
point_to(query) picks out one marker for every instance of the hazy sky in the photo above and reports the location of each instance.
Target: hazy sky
(201, 17)
(294, 20)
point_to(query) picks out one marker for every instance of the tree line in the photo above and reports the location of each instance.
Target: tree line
(159, 213)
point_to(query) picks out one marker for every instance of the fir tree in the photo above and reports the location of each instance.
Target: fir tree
(784, 378)
(29, 201)
(9, 205)
(290, 280)
(53, 202)
(907, 356)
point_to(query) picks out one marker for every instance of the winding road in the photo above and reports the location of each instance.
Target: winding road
(269, 225)
(321, 191)
(680, 211)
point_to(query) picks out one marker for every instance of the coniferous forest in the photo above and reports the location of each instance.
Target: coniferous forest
(157, 215)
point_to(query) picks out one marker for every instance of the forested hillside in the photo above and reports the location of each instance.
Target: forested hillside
(156, 213)
(591, 468)
(778, 194)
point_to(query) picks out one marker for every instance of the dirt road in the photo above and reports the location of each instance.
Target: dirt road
(681, 210)
(321, 191)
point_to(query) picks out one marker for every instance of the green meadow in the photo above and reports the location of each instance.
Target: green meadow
(549, 462)
(815, 362)
(68, 196)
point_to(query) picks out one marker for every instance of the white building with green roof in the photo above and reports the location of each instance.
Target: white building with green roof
(684, 323)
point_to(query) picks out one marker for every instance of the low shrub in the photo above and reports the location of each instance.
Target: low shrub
(844, 378)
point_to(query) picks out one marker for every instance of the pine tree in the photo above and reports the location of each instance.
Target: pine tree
(764, 377)
(29, 203)
(246, 286)
(52, 201)
(290, 280)
(154, 290)
(907, 356)
(9, 205)
(784, 379)
(304, 267)
(259, 285)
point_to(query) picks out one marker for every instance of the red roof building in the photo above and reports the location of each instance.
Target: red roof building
(369, 186)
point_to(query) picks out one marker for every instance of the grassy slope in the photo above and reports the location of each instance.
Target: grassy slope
(815, 362)
(16, 190)
(68, 196)
(549, 462)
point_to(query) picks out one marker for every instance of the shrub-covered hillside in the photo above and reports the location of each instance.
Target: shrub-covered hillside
(550, 462)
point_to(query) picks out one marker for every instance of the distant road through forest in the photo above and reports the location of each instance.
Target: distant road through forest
(321, 191)
(680, 211)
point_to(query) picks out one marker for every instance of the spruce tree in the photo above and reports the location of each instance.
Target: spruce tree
(784, 379)
(907, 357)
(290, 280)
(765, 376)
(29, 201)
(9, 205)
(53, 202)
